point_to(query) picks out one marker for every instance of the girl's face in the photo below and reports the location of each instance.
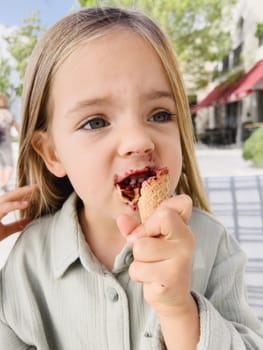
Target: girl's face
(113, 114)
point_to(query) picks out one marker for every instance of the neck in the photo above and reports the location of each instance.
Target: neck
(103, 237)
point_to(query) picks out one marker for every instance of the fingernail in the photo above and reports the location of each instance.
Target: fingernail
(131, 239)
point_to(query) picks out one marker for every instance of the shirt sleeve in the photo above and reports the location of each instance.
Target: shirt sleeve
(8, 339)
(226, 320)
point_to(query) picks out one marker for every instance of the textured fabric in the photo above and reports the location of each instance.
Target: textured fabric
(55, 295)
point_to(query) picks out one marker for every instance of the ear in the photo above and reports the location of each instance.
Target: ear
(43, 145)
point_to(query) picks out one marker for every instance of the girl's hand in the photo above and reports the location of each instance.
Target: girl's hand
(163, 249)
(15, 200)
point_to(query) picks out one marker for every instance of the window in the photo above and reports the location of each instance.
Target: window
(237, 55)
(259, 33)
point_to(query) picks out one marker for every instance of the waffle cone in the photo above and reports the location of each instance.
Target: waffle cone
(154, 191)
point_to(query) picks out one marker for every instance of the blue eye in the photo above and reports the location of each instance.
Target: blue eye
(161, 117)
(95, 123)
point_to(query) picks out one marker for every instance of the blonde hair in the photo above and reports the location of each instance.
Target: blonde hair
(50, 52)
(3, 101)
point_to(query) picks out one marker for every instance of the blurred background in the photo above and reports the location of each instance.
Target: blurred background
(219, 44)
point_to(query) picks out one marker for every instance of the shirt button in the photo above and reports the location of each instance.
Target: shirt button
(129, 258)
(113, 295)
(148, 334)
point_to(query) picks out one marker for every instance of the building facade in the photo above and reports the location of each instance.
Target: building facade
(233, 102)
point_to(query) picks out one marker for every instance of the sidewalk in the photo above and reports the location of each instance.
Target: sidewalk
(235, 190)
(224, 162)
(237, 201)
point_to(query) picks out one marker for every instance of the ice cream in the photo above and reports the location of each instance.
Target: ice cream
(145, 189)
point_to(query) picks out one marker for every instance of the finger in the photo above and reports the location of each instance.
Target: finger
(17, 199)
(163, 272)
(182, 204)
(8, 207)
(150, 249)
(19, 194)
(12, 228)
(154, 226)
(18, 225)
(126, 224)
(151, 272)
(169, 220)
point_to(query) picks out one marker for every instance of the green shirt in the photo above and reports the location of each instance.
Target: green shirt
(55, 295)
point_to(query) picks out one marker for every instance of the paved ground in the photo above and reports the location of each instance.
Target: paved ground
(235, 189)
(237, 202)
(224, 162)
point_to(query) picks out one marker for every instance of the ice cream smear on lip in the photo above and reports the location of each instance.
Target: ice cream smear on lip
(146, 189)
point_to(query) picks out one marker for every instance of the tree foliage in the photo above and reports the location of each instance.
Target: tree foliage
(20, 43)
(253, 147)
(198, 29)
(5, 71)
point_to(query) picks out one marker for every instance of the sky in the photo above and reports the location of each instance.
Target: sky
(12, 12)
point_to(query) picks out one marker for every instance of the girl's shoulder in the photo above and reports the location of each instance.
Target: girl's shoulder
(33, 243)
(41, 241)
(208, 230)
(202, 220)
(213, 241)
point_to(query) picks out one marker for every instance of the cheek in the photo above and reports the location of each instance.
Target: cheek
(176, 170)
(84, 169)
(84, 180)
(79, 158)
(175, 161)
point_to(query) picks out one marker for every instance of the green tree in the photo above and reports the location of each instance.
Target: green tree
(198, 29)
(253, 147)
(20, 44)
(6, 85)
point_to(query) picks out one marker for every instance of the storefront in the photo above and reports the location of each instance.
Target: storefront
(234, 106)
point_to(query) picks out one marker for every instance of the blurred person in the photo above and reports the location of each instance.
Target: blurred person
(7, 121)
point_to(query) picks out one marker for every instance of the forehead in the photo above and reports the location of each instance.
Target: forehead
(119, 51)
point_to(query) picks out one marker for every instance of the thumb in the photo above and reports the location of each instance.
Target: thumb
(126, 224)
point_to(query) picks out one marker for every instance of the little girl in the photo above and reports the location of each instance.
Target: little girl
(104, 107)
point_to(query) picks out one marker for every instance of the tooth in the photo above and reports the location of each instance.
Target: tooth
(133, 181)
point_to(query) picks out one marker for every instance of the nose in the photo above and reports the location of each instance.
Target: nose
(135, 141)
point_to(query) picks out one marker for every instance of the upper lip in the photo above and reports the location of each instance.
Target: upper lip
(120, 178)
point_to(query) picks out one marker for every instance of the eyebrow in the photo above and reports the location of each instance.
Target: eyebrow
(89, 102)
(158, 94)
(152, 95)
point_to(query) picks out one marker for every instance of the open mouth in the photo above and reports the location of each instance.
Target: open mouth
(129, 187)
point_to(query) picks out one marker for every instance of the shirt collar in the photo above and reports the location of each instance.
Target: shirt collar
(69, 244)
(64, 244)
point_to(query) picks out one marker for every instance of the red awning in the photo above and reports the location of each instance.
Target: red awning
(244, 86)
(211, 98)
